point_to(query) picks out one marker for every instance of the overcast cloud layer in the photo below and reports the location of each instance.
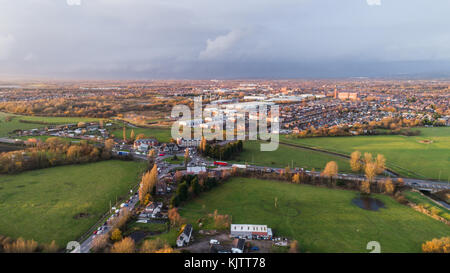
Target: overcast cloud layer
(223, 38)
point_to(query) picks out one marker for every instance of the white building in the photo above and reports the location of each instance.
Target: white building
(195, 170)
(251, 231)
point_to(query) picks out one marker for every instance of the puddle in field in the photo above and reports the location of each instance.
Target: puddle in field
(368, 203)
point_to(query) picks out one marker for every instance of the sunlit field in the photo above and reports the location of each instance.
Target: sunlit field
(62, 203)
(423, 156)
(321, 219)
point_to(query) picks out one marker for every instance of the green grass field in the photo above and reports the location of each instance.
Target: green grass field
(406, 155)
(321, 219)
(177, 161)
(146, 227)
(43, 204)
(44, 138)
(161, 134)
(286, 155)
(57, 120)
(14, 124)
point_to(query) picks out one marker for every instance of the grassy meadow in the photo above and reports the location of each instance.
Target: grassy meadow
(14, 124)
(62, 203)
(321, 219)
(286, 155)
(423, 156)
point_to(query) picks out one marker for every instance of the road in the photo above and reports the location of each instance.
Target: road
(415, 183)
(87, 244)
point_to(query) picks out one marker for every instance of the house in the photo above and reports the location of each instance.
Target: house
(251, 231)
(238, 246)
(170, 148)
(143, 148)
(185, 236)
(152, 207)
(188, 142)
(150, 142)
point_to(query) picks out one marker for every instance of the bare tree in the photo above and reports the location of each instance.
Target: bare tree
(355, 161)
(125, 246)
(380, 163)
(389, 187)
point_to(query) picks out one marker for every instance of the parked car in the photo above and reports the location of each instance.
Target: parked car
(214, 242)
(255, 248)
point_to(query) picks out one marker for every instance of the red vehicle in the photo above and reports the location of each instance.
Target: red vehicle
(221, 163)
(162, 154)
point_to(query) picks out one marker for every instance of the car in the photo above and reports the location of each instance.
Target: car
(255, 248)
(162, 154)
(95, 232)
(214, 242)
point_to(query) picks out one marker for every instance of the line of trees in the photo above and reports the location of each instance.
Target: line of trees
(221, 152)
(21, 245)
(371, 167)
(53, 152)
(190, 186)
(390, 125)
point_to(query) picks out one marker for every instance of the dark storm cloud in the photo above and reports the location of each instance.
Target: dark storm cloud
(233, 38)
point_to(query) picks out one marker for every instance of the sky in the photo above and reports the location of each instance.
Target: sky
(205, 39)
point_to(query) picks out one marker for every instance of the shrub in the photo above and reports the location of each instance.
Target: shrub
(293, 247)
(124, 246)
(50, 248)
(21, 246)
(156, 246)
(441, 245)
(401, 198)
(116, 234)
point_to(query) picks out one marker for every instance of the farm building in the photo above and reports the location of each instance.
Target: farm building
(251, 231)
